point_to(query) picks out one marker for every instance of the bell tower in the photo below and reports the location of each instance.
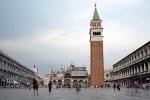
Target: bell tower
(96, 51)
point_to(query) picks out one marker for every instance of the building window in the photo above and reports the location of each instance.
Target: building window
(93, 63)
(67, 75)
(138, 55)
(142, 54)
(145, 52)
(135, 57)
(92, 68)
(107, 75)
(96, 33)
(149, 47)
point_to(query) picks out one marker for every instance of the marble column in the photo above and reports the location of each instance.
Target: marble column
(141, 69)
(144, 67)
(137, 69)
(148, 66)
(134, 70)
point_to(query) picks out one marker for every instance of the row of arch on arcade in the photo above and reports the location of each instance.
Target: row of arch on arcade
(68, 83)
(141, 80)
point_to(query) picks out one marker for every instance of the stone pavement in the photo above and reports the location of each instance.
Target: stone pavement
(70, 94)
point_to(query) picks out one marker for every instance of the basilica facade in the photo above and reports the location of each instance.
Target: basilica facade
(70, 76)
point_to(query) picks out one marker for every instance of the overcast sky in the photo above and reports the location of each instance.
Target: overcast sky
(55, 33)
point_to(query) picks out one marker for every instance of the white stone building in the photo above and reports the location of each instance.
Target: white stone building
(46, 79)
(133, 67)
(107, 78)
(12, 71)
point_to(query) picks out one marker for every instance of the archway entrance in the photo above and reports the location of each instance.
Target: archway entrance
(74, 83)
(67, 83)
(59, 83)
(81, 83)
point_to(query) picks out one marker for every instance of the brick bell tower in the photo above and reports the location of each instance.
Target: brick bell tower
(96, 51)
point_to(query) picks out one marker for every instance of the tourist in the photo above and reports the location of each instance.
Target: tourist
(114, 85)
(136, 86)
(50, 86)
(118, 87)
(77, 87)
(35, 87)
(147, 86)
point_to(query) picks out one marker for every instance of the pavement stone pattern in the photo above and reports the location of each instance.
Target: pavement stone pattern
(71, 94)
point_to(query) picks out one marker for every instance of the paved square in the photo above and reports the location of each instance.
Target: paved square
(70, 94)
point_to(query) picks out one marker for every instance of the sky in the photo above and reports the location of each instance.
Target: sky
(55, 33)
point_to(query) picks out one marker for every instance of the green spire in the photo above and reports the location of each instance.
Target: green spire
(95, 16)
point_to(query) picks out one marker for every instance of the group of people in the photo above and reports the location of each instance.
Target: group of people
(77, 86)
(36, 86)
(116, 86)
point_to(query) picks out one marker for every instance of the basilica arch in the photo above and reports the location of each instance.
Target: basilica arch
(67, 82)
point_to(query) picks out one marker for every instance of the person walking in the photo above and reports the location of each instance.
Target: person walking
(136, 86)
(114, 85)
(118, 87)
(77, 87)
(35, 86)
(29, 86)
(50, 86)
(147, 86)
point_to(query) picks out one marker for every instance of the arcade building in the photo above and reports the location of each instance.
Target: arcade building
(12, 72)
(133, 67)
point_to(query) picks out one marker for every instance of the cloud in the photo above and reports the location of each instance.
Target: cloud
(118, 2)
(50, 47)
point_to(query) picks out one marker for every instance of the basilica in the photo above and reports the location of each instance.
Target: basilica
(70, 76)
